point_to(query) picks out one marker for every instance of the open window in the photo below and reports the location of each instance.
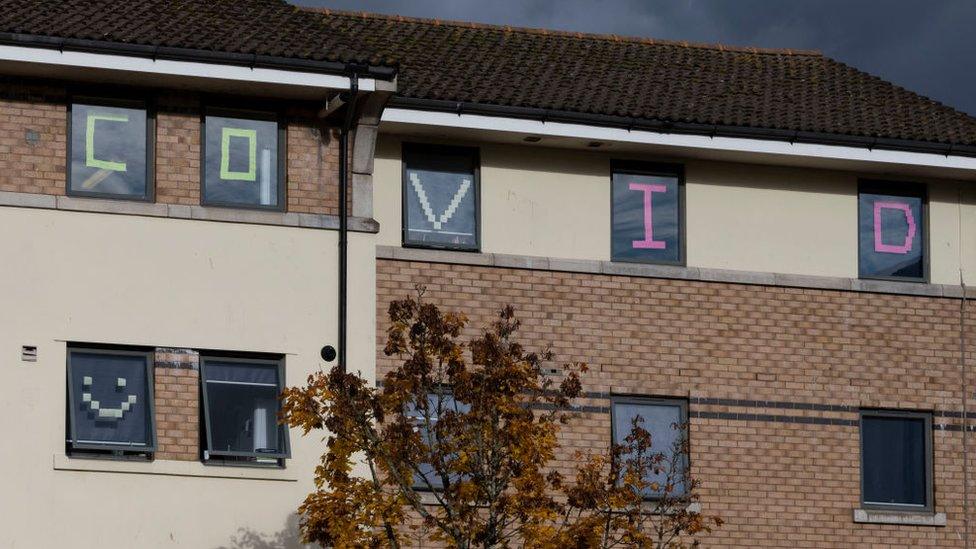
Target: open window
(896, 460)
(440, 197)
(243, 160)
(110, 402)
(665, 420)
(240, 408)
(110, 149)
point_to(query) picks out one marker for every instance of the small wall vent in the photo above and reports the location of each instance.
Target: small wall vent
(28, 353)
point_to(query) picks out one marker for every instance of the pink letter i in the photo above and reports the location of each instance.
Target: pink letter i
(648, 242)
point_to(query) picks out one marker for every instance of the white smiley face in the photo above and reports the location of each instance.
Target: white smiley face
(95, 406)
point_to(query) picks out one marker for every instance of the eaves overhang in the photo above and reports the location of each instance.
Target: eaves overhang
(212, 71)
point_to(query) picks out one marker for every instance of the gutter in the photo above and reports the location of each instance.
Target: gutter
(686, 128)
(193, 55)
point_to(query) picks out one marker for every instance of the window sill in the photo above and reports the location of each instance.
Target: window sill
(172, 468)
(907, 518)
(175, 211)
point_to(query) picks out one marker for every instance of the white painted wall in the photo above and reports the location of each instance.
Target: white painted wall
(133, 280)
(551, 202)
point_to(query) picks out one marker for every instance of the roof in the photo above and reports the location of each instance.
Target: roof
(440, 63)
(240, 29)
(644, 79)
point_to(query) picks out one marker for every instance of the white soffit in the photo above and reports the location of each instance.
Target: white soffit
(143, 70)
(619, 140)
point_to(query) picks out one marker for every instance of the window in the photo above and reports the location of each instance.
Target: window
(243, 163)
(891, 231)
(425, 428)
(240, 408)
(896, 460)
(440, 197)
(647, 213)
(664, 419)
(109, 153)
(110, 401)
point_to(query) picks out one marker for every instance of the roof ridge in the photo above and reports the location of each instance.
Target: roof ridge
(571, 34)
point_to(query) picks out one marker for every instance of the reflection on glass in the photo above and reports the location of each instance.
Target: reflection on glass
(440, 197)
(108, 151)
(646, 218)
(890, 236)
(663, 422)
(241, 165)
(110, 399)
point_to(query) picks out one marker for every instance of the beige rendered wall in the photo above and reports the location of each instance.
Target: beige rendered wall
(133, 280)
(556, 203)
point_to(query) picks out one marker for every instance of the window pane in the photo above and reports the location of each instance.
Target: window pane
(242, 407)
(241, 162)
(449, 405)
(108, 150)
(646, 218)
(894, 460)
(660, 421)
(243, 418)
(891, 236)
(440, 197)
(110, 399)
(218, 370)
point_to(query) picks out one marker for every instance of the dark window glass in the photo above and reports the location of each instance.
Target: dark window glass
(108, 151)
(241, 406)
(891, 234)
(428, 431)
(664, 421)
(440, 194)
(110, 400)
(241, 165)
(647, 217)
(894, 454)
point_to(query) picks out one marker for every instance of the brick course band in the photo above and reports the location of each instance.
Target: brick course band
(554, 264)
(775, 377)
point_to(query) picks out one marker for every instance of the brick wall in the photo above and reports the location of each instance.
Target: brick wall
(33, 144)
(774, 377)
(176, 391)
(33, 153)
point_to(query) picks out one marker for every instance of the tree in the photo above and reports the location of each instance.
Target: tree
(458, 442)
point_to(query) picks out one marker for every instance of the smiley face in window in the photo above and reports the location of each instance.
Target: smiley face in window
(109, 399)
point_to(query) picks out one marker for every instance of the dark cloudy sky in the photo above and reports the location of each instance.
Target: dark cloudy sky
(928, 46)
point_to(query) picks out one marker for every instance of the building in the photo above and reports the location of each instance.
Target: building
(768, 243)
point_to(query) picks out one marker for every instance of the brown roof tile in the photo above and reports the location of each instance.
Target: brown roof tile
(637, 78)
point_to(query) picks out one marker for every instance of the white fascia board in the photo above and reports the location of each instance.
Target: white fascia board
(697, 142)
(191, 69)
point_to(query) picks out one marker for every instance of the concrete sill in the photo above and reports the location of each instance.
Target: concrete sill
(175, 211)
(171, 468)
(875, 516)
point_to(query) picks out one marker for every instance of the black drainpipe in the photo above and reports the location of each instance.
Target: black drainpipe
(344, 211)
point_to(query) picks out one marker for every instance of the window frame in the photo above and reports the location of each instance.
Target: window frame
(149, 355)
(929, 506)
(409, 148)
(640, 400)
(660, 169)
(135, 101)
(908, 189)
(259, 115)
(435, 485)
(208, 455)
